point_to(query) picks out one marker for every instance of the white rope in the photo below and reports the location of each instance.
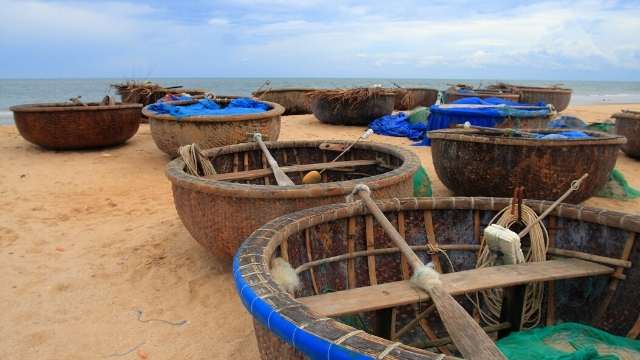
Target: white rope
(357, 189)
(492, 298)
(387, 350)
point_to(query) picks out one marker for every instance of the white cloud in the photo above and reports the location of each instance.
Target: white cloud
(319, 36)
(219, 22)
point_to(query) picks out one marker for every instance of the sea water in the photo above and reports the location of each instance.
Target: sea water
(25, 91)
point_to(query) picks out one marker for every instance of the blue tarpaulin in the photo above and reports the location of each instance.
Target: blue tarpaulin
(489, 113)
(398, 125)
(564, 135)
(209, 107)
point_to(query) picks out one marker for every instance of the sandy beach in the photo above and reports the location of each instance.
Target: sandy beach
(90, 239)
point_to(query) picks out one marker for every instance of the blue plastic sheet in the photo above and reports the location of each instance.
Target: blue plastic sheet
(312, 345)
(398, 125)
(209, 107)
(564, 135)
(567, 122)
(496, 110)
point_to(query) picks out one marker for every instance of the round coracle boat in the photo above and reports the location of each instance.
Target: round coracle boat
(351, 106)
(556, 96)
(411, 98)
(148, 93)
(354, 300)
(67, 126)
(292, 99)
(454, 93)
(474, 163)
(221, 210)
(208, 131)
(628, 125)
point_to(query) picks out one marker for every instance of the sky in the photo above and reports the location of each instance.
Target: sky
(491, 39)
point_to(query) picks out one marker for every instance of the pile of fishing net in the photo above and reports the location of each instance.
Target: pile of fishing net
(568, 341)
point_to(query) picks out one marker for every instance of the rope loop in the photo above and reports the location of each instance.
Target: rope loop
(357, 189)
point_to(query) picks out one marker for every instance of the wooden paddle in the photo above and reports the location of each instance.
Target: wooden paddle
(467, 335)
(281, 178)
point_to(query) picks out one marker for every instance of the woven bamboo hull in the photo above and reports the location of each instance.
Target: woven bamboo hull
(559, 98)
(410, 98)
(293, 100)
(220, 214)
(334, 112)
(339, 229)
(208, 132)
(452, 96)
(628, 125)
(470, 164)
(63, 127)
(538, 122)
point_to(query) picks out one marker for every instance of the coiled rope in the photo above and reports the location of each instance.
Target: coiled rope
(197, 163)
(492, 298)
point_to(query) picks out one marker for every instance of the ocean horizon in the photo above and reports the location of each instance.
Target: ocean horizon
(25, 91)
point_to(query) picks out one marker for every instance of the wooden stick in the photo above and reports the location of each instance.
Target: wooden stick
(614, 282)
(467, 335)
(414, 322)
(254, 174)
(281, 178)
(635, 330)
(575, 185)
(551, 293)
(381, 251)
(351, 248)
(371, 260)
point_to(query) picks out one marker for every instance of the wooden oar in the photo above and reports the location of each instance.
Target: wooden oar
(467, 335)
(281, 178)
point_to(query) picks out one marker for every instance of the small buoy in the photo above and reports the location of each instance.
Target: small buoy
(312, 177)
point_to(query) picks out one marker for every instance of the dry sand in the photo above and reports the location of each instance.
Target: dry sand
(88, 238)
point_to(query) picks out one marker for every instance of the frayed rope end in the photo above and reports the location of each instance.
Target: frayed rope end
(425, 277)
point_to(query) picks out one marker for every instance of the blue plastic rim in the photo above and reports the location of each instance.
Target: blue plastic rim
(310, 344)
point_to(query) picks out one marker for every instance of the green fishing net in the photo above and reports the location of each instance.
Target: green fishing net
(568, 341)
(419, 115)
(421, 183)
(618, 188)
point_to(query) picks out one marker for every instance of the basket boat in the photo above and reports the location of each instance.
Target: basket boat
(351, 107)
(221, 211)
(453, 93)
(628, 125)
(65, 126)
(169, 132)
(471, 163)
(292, 99)
(349, 269)
(558, 97)
(411, 98)
(146, 94)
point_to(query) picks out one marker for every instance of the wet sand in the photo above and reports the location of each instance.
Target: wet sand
(88, 238)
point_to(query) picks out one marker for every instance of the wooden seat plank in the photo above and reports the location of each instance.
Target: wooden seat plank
(254, 174)
(398, 293)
